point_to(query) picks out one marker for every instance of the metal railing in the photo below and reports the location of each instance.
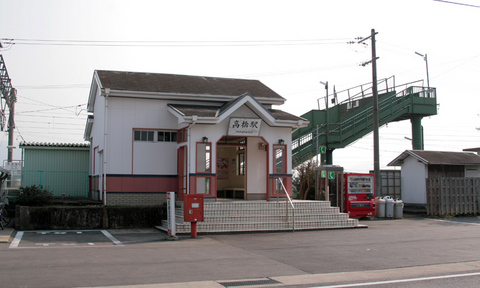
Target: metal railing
(393, 104)
(361, 91)
(288, 201)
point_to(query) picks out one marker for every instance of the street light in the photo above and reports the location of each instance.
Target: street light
(326, 90)
(426, 63)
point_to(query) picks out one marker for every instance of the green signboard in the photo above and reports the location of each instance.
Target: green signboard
(331, 175)
(322, 149)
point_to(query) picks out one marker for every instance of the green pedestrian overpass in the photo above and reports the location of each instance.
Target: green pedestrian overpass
(349, 120)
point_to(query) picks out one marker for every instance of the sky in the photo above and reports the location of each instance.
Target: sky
(290, 46)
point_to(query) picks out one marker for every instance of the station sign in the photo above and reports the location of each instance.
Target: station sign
(244, 126)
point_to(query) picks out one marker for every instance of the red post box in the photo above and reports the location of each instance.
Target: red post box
(193, 208)
(193, 211)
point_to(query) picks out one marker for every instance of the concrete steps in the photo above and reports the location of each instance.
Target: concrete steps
(258, 216)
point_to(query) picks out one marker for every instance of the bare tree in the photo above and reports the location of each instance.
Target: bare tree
(305, 173)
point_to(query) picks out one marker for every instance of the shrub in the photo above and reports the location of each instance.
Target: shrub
(34, 196)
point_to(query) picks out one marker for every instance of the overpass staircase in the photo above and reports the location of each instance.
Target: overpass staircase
(352, 118)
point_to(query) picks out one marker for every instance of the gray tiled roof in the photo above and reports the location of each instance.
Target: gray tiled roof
(451, 158)
(199, 110)
(282, 115)
(212, 111)
(438, 158)
(183, 84)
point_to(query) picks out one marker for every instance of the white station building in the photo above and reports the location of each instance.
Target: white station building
(155, 133)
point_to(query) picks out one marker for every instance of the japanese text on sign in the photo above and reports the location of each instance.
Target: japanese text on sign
(244, 126)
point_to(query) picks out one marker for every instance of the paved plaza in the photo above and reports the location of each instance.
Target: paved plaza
(415, 248)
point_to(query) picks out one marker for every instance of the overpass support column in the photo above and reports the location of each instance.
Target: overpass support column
(417, 132)
(327, 158)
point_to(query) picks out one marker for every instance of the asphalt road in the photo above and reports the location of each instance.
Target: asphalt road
(389, 250)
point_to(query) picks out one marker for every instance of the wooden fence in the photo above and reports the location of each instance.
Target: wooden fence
(453, 196)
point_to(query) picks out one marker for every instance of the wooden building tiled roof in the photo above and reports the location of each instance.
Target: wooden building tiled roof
(183, 84)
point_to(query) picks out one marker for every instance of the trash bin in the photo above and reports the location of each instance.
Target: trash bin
(380, 204)
(389, 205)
(398, 210)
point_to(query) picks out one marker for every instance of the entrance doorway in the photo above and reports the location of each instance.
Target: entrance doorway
(241, 168)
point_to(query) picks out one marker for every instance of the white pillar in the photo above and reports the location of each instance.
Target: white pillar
(171, 216)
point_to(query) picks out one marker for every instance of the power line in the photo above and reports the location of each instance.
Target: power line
(56, 117)
(461, 64)
(50, 123)
(54, 133)
(457, 3)
(49, 109)
(20, 134)
(66, 86)
(295, 71)
(52, 42)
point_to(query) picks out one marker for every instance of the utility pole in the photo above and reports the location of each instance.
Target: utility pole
(376, 120)
(8, 98)
(376, 142)
(328, 152)
(11, 122)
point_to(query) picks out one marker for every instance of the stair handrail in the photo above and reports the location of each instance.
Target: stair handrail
(357, 118)
(339, 128)
(364, 90)
(289, 200)
(426, 93)
(384, 103)
(386, 90)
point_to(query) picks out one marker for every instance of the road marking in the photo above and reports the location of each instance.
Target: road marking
(18, 238)
(450, 221)
(113, 239)
(400, 280)
(44, 244)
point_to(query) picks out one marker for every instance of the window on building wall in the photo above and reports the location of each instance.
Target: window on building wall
(167, 136)
(204, 155)
(203, 185)
(182, 135)
(241, 162)
(143, 135)
(280, 159)
(154, 136)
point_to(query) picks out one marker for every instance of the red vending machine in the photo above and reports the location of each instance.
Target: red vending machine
(359, 194)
